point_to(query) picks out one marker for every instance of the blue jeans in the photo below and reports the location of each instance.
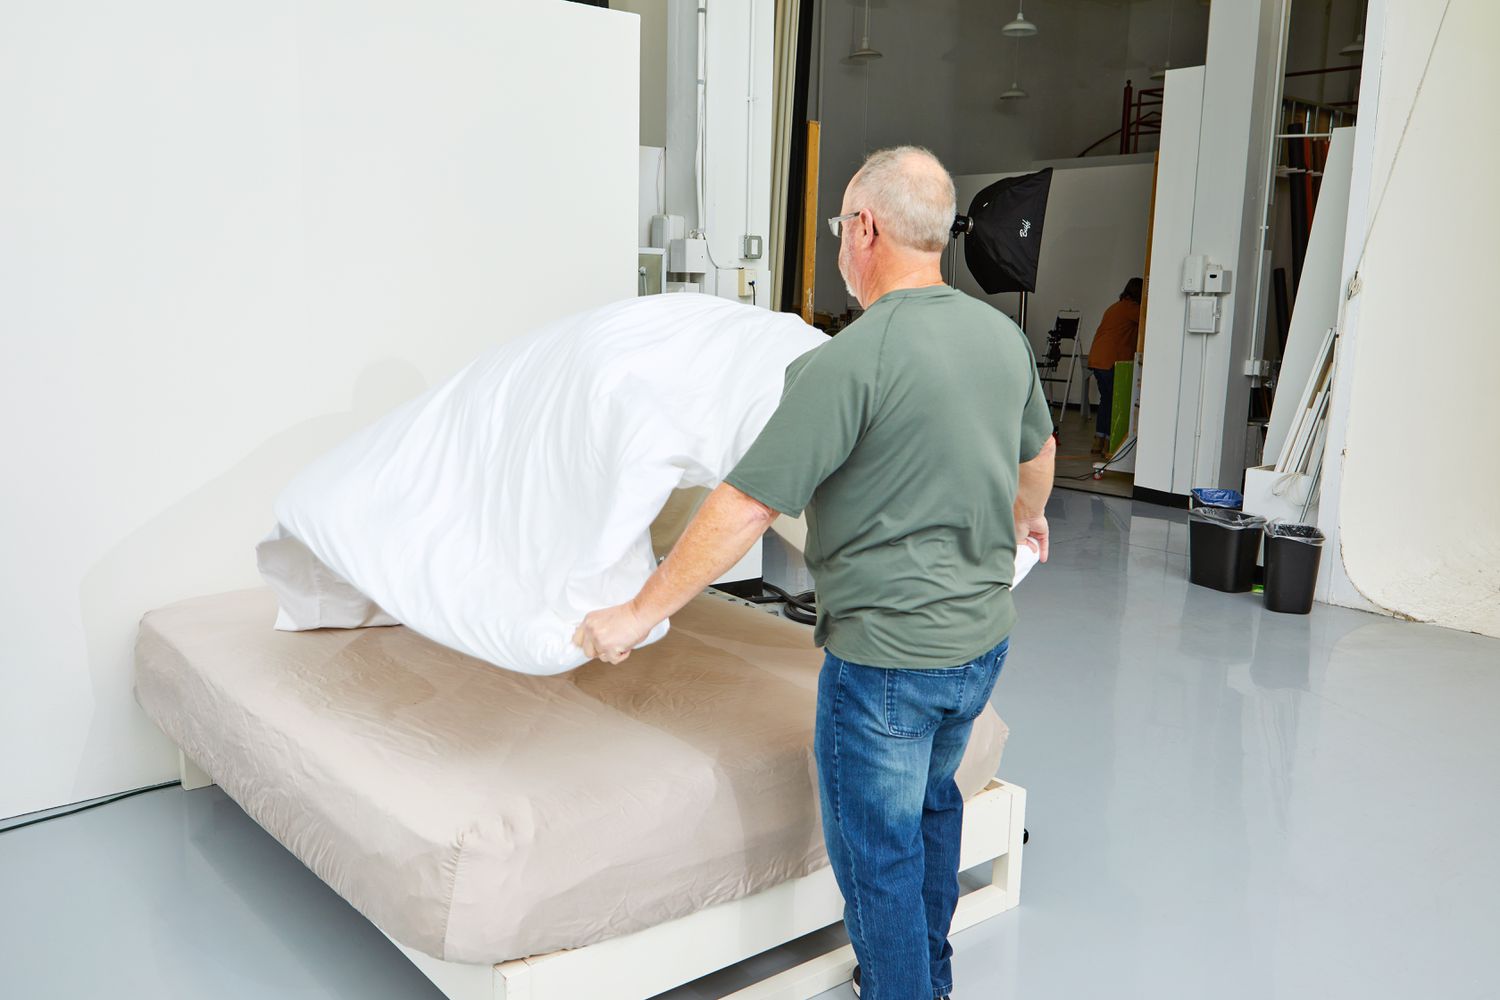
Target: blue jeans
(1105, 377)
(888, 744)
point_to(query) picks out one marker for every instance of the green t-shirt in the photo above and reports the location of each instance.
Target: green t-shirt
(901, 438)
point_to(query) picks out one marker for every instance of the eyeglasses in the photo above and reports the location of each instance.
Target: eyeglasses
(836, 224)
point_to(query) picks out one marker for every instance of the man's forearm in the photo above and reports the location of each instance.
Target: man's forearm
(720, 534)
(1036, 482)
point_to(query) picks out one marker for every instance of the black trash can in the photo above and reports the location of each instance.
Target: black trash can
(1293, 552)
(1222, 546)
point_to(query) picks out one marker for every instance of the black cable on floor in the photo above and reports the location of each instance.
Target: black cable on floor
(801, 608)
(800, 616)
(761, 598)
(88, 805)
(1112, 460)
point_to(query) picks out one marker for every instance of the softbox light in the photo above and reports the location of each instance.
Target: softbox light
(1005, 232)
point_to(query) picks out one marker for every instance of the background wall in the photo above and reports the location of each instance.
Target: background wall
(230, 236)
(1410, 498)
(945, 65)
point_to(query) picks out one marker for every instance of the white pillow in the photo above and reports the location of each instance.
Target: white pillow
(497, 509)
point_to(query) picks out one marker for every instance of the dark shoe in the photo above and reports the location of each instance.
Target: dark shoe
(856, 985)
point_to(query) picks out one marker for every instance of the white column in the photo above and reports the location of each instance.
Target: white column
(739, 40)
(1241, 87)
(1241, 114)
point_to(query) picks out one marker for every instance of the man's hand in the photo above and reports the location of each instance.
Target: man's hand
(1034, 487)
(1033, 529)
(611, 634)
(722, 531)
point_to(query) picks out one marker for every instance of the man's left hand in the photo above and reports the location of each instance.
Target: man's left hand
(611, 634)
(1035, 531)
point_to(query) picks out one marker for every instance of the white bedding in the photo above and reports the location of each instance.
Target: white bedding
(497, 509)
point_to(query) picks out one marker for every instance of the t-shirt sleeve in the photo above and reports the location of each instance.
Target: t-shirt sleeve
(1036, 417)
(824, 409)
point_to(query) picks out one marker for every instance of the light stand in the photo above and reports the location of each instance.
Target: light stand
(962, 226)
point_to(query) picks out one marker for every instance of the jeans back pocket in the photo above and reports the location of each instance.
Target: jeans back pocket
(983, 673)
(918, 701)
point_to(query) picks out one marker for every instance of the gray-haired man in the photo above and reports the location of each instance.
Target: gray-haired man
(920, 444)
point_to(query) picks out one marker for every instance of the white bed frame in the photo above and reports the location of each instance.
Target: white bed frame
(641, 965)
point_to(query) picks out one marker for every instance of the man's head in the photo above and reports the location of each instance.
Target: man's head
(1132, 290)
(904, 202)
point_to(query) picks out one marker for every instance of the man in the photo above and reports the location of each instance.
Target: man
(920, 443)
(1114, 342)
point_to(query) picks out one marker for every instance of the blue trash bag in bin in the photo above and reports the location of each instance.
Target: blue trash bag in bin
(1228, 499)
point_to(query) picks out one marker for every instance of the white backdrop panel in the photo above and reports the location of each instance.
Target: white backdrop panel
(229, 236)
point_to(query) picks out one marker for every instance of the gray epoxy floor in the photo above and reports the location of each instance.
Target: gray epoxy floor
(1223, 803)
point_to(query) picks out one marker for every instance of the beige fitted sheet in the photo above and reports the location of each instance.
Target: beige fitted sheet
(480, 815)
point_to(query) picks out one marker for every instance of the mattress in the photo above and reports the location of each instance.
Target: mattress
(480, 815)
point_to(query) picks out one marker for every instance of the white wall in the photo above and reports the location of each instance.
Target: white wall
(1093, 242)
(945, 65)
(230, 236)
(1410, 482)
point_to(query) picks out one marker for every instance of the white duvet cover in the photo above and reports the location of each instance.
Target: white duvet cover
(497, 509)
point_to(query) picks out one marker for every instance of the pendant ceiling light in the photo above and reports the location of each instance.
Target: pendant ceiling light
(1016, 91)
(1356, 47)
(1160, 73)
(865, 51)
(1020, 27)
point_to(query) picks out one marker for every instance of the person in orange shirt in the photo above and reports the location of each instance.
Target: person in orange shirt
(1114, 341)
